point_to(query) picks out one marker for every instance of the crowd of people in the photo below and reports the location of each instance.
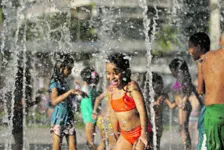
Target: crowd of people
(124, 120)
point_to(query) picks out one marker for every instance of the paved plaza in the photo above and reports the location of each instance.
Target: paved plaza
(40, 139)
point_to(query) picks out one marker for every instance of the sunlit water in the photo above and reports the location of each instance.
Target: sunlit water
(53, 36)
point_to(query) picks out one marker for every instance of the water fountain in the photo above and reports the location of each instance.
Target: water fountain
(15, 34)
(33, 30)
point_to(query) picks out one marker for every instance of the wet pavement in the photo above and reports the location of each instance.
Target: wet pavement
(40, 139)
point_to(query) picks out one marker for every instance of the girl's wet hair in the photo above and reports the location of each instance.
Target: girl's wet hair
(156, 78)
(57, 75)
(156, 81)
(179, 65)
(90, 76)
(122, 64)
(201, 39)
(183, 75)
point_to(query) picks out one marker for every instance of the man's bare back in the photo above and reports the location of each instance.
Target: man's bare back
(212, 74)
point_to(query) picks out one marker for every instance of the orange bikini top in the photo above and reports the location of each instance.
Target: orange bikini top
(122, 104)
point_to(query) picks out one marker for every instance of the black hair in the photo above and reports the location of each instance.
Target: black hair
(57, 75)
(90, 76)
(179, 65)
(122, 63)
(202, 39)
(183, 75)
(156, 78)
(184, 78)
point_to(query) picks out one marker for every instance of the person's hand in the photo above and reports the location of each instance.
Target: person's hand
(161, 99)
(83, 94)
(94, 115)
(77, 85)
(143, 138)
(156, 103)
(116, 136)
(73, 91)
(181, 106)
(78, 92)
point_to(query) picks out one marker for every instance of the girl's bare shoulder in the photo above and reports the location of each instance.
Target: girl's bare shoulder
(133, 85)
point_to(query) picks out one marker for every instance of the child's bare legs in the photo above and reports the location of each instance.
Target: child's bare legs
(49, 113)
(193, 125)
(102, 140)
(123, 144)
(71, 140)
(106, 135)
(89, 128)
(111, 139)
(183, 117)
(57, 140)
(138, 145)
(193, 131)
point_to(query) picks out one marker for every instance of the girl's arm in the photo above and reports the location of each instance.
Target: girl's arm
(170, 104)
(55, 98)
(159, 100)
(97, 101)
(140, 105)
(156, 103)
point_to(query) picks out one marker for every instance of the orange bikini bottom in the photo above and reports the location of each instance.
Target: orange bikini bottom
(133, 135)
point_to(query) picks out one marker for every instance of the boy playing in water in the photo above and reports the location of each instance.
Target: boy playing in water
(210, 67)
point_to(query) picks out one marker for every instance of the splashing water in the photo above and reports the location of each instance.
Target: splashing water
(107, 24)
(10, 24)
(15, 33)
(105, 31)
(148, 43)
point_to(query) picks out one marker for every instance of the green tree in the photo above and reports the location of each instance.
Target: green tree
(166, 40)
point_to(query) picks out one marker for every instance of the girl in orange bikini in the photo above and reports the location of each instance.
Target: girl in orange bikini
(128, 112)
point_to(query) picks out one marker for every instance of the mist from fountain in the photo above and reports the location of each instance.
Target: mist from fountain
(148, 42)
(14, 38)
(17, 20)
(11, 23)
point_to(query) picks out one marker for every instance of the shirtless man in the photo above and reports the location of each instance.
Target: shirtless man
(210, 83)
